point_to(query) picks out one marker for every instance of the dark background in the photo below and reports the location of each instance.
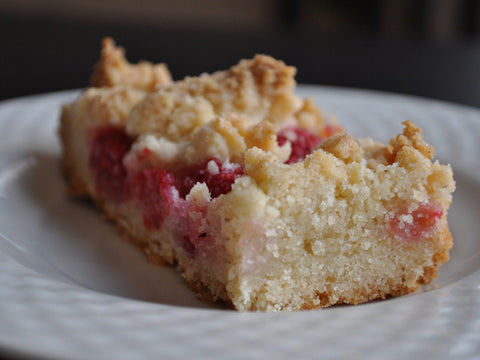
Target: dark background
(422, 47)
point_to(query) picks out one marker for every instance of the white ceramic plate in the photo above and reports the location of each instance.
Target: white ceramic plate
(71, 288)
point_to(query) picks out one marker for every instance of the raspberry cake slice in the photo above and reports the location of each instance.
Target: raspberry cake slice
(247, 190)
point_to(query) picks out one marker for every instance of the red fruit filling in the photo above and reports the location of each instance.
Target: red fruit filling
(418, 224)
(217, 176)
(191, 225)
(154, 191)
(160, 193)
(108, 147)
(302, 140)
(157, 193)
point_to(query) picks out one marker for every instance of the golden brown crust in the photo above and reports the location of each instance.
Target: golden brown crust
(114, 70)
(412, 136)
(443, 236)
(344, 147)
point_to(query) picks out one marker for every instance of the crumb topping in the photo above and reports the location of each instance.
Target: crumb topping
(260, 89)
(114, 70)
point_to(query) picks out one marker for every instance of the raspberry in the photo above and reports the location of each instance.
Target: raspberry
(191, 224)
(157, 193)
(218, 181)
(190, 217)
(302, 140)
(154, 191)
(108, 147)
(418, 224)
